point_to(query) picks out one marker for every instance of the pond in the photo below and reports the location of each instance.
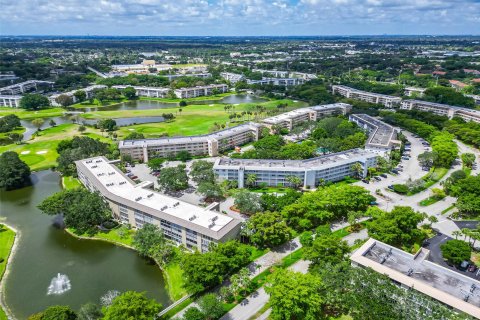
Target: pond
(44, 251)
(153, 104)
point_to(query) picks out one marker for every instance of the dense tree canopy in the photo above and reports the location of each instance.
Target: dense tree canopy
(34, 101)
(132, 305)
(202, 171)
(173, 178)
(9, 122)
(268, 229)
(326, 249)
(448, 96)
(456, 251)
(14, 173)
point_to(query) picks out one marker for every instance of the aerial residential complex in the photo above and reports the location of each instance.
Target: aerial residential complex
(290, 119)
(382, 137)
(152, 92)
(10, 101)
(410, 91)
(137, 204)
(416, 272)
(442, 109)
(232, 77)
(209, 144)
(185, 93)
(278, 81)
(332, 167)
(89, 91)
(23, 87)
(347, 92)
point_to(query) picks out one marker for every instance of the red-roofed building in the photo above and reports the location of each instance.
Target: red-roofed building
(472, 71)
(439, 73)
(476, 80)
(457, 84)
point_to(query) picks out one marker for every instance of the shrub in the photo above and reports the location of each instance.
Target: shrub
(400, 188)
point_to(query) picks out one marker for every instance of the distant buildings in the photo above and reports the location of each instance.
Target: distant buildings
(286, 74)
(415, 272)
(442, 109)
(23, 87)
(311, 172)
(410, 91)
(185, 93)
(89, 91)
(458, 85)
(382, 137)
(232, 77)
(351, 93)
(286, 82)
(136, 204)
(141, 68)
(12, 101)
(209, 144)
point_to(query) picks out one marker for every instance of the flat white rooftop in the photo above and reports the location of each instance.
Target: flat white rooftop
(113, 180)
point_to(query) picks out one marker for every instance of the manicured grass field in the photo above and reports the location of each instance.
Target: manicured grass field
(30, 114)
(175, 280)
(7, 237)
(428, 201)
(96, 103)
(70, 183)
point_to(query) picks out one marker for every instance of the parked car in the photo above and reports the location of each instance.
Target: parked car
(395, 171)
(133, 177)
(390, 187)
(464, 265)
(365, 181)
(373, 203)
(472, 268)
(377, 178)
(383, 175)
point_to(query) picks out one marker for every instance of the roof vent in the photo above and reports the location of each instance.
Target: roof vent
(138, 199)
(150, 195)
(192, 218)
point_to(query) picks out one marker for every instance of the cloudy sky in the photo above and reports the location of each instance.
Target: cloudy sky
(238, 17)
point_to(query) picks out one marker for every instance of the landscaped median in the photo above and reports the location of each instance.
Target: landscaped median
(419, 185)
(7, 240)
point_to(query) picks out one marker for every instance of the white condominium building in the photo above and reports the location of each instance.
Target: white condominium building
(209, 144)
(347, 92)
(136, 204)
(141, 68)
(152, 92)
(290, 119)
(23, 87)
(382, 137)
(286, 74)
(89, 91)
(232, 77)
(10, 101)
(416, 272)
(442, 109)
(332, 167)
(185, 93)
(287, 82)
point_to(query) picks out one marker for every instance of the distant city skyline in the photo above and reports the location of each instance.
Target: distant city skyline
(239, 17)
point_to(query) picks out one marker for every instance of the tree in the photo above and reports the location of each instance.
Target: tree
(107, 124)
(16, 137)
(9, 123)
(58, 313)
(427, 158)
(173, 179)
(432, 220)
(80, 95)
(357, 169)
(456, 251)
(82, 128)
(33, 101)
(130, 93)
(468, 159)
(211, 306)
(326, 249)
(90, 311)
(64, 100)
(210, 190)
(52, 123)
(182, 103)
(132, 305)
(147, 240)
(202, 171)
(295, 296)
(294, 181)
(456, 234)
(251, 179)
(444, 146)
(81, 209)
(155, 163)
(14, 173)
(135, 136)
(193, 313)
(38, 123)
(268, 229)
(184, 155)
(248, 202)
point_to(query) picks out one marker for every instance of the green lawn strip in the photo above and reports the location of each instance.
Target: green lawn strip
(108, 236)
(3, 316)
(4, 135)
(435, 175)
(428, 201)
(269, 190)
(175, 282)
(7, 238)
(448, 209)
(257, 253)
(70, 183)
(97, 104)
(32, 114)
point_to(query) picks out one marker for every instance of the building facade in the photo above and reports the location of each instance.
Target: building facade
(351, 93)
(10, 101)
(23, 87)
(442, 109)
(382, 137)
(286, 82)
(136, 204)
(193, 92)
(89, 92)
(151, 92)
(232, 77)
(311, 172)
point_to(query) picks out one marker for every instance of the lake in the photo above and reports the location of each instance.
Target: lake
(93, 267)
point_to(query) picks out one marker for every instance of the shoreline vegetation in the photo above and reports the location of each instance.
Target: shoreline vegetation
(9, 238)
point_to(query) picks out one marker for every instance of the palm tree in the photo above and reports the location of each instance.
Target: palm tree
(432, 220)
(357, 169)
(251, 179)
(294, 181)
(456, 234)
(466, 232)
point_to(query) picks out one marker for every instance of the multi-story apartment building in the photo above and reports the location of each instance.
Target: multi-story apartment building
(89, 91)
(416, 272)
(382, 137)
(209, 144)
(185, 93)
(332, 167)
(23, 87)
(152, 92)
(410, 91)
(290, 119)
(141, 68)
(351, 93)
(10, 101)
(232, 77)
(442, 109)
(137, 204)
(287, 82)
(286, 74)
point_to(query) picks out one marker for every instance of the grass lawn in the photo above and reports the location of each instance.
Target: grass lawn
(32, 114)
(428, 201)
(448, 209)
(269, 189)
(193, 120)
(96, 103)
(40, 153)
(70, 183)
(174, 275)
(113, 236)
(7, 237)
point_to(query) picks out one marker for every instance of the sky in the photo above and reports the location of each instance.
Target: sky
(238, 17)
